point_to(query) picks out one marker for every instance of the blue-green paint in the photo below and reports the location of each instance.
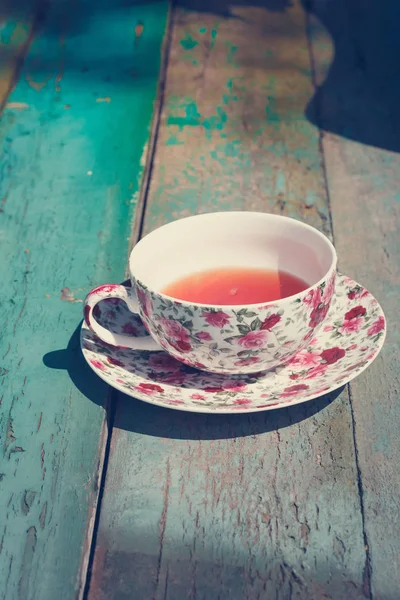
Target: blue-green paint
(173, 141)
(193, 118)
(231, 54)
(203, 30)
(188, 43)
(71, 168)
(271, 110)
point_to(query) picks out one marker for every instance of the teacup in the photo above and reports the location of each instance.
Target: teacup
(224, 339)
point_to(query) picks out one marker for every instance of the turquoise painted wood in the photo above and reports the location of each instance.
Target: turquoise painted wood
(73, 139)
(363, 170)
(252, 507)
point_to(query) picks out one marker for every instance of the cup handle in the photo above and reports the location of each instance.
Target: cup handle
(103, 292)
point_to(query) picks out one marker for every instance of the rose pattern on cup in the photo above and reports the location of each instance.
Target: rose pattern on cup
(347, 343)
(248, 339)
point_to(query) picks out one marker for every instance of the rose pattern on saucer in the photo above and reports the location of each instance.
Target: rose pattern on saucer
(350, 338)
(245, 338)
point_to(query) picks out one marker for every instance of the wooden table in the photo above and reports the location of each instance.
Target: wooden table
(107, 498)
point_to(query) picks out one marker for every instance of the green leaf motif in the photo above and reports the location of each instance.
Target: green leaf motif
(245, 353)
(231, 339)
(249, 314)
(243, 329)
(256, 324)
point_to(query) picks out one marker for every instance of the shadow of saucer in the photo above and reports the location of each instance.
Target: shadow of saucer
(140, 417)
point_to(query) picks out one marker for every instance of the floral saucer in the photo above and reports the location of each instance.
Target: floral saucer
(351, 337)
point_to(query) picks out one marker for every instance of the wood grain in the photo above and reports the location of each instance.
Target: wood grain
(73, 137)
(252, 507)
(363, 183)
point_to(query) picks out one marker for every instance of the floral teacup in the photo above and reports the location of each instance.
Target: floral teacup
(224, 339)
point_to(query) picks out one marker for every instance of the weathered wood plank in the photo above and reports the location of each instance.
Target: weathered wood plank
(73, 137)
(263, 506)
(364, 182)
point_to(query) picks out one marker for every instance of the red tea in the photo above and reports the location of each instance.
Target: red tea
(235, 286)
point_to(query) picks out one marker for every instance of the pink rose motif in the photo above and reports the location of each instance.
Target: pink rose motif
(197, 397)
(352, 347)
(332, 355)
(309, 299)
(217, 319)
(121, 381)
(204, 335)
(178, 336)
(328, 328)
(306, 359)
(318, 371)
(98, 364)
(163, 362)
(115, 362)
(246, 362)
(293, 376)
(242, 401)
(213, 390)
(86, 314)
(293, 390)
(377, 326)
(329, 289)
(253, 339)
(105, 289)
(356, 311)
(149, 388)
(175, 378)
(130, 329)
(234, 386)
(307, 337)
(145, 302)
(270, 322)
(174, 329)
(313, 298)
(196, 364)
(180, 345)
(318, 314)
(352, 326)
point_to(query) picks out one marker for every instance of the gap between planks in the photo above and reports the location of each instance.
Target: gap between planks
(367, 575)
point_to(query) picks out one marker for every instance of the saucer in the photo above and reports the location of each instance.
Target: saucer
(351, 337)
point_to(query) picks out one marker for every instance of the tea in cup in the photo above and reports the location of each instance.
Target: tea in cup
(226, 292)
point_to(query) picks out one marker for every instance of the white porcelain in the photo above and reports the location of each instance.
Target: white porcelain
(224, 339)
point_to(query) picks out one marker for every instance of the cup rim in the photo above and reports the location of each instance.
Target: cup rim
(236, 307)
